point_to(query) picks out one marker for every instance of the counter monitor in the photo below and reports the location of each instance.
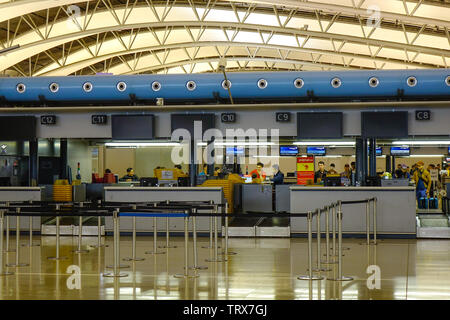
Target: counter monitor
(384, 124)
(316, 151)
(319, 125)
(288, 150)
(18, 128)
(400, 151)
(133, 127)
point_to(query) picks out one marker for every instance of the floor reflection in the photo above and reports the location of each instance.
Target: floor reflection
(262, 269)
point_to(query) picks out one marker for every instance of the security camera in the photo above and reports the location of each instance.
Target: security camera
(222, 64)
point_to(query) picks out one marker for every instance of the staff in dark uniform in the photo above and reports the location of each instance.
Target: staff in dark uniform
(320, 174)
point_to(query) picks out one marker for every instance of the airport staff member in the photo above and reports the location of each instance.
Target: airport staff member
(278, 177)
(130, 176)
(423, 181)
(320, 174)
(258, 171)
(204, 171)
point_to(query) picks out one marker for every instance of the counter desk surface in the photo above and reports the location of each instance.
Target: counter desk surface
(396, 207)
(149, 194)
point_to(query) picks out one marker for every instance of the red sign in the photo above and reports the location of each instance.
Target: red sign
(305, 170)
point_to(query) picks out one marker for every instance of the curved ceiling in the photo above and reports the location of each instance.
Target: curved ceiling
(66, 37)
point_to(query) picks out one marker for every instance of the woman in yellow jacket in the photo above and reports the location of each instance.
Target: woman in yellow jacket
(422, 179)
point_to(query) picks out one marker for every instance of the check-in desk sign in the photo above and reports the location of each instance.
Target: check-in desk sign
(423, 115)
(228, 117)
(48, 120)
(283, 116)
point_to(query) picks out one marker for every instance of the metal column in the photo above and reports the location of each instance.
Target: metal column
(33, 163)
(63, 159)
(372, 157)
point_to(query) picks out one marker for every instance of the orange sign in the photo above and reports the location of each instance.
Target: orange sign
(305, 170)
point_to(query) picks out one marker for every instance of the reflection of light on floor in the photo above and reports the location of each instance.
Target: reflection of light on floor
(124, 291)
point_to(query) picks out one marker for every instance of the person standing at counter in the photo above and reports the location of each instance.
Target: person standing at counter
(320, 174)
(258, 171)
(347, 173)
(278, 177)
(204, 171)
(332, 169)
(353, 173)
(130, 176)
(255, 179)
(423, 181)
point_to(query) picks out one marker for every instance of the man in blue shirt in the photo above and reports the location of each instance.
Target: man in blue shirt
(278, 177)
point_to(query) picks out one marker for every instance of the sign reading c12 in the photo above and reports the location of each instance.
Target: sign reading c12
(423, 115)
(228, 117)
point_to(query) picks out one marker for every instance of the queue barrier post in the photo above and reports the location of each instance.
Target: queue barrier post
(7, 232)
(133, 246)
(2, 220)
(375, 200)
(116, 251)
(116, 244)
(216, 253)
(186, 252)
(340, 276)
(80, 234)
(30, 236)
(57, 256)
(226, 252)
(99, 231)
(327, 237)
(167, 245)
(310, 276)
(319, 243)
(211, 234)
(194, 237)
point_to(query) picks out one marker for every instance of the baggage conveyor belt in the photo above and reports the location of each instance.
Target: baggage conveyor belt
(259, 226)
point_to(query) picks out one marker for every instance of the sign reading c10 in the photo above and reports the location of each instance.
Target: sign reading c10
(228, 117)
(423, 115)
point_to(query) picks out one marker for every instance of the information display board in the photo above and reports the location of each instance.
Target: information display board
(305, 170)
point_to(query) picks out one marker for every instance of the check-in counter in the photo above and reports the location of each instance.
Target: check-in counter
(11, 194)
(256, 197)
(396, 208)
(149, 194)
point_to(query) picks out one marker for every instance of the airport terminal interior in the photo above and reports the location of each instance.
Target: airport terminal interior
(224, 150)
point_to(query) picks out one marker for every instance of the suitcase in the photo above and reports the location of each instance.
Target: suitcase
(423, 203)
(433, 203)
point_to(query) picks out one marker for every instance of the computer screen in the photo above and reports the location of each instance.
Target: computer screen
(186, 121)
(17, 128)
(288, 150)
(378, 151)
(235, 151)
(400, 151)
(319, 125)
(133, 127)
(448, 150)
(317, 151)
(384, 124)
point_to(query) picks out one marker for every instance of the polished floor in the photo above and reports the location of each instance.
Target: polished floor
(261, 269)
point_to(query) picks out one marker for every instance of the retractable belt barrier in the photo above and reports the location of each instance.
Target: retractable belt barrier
(182, 210)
